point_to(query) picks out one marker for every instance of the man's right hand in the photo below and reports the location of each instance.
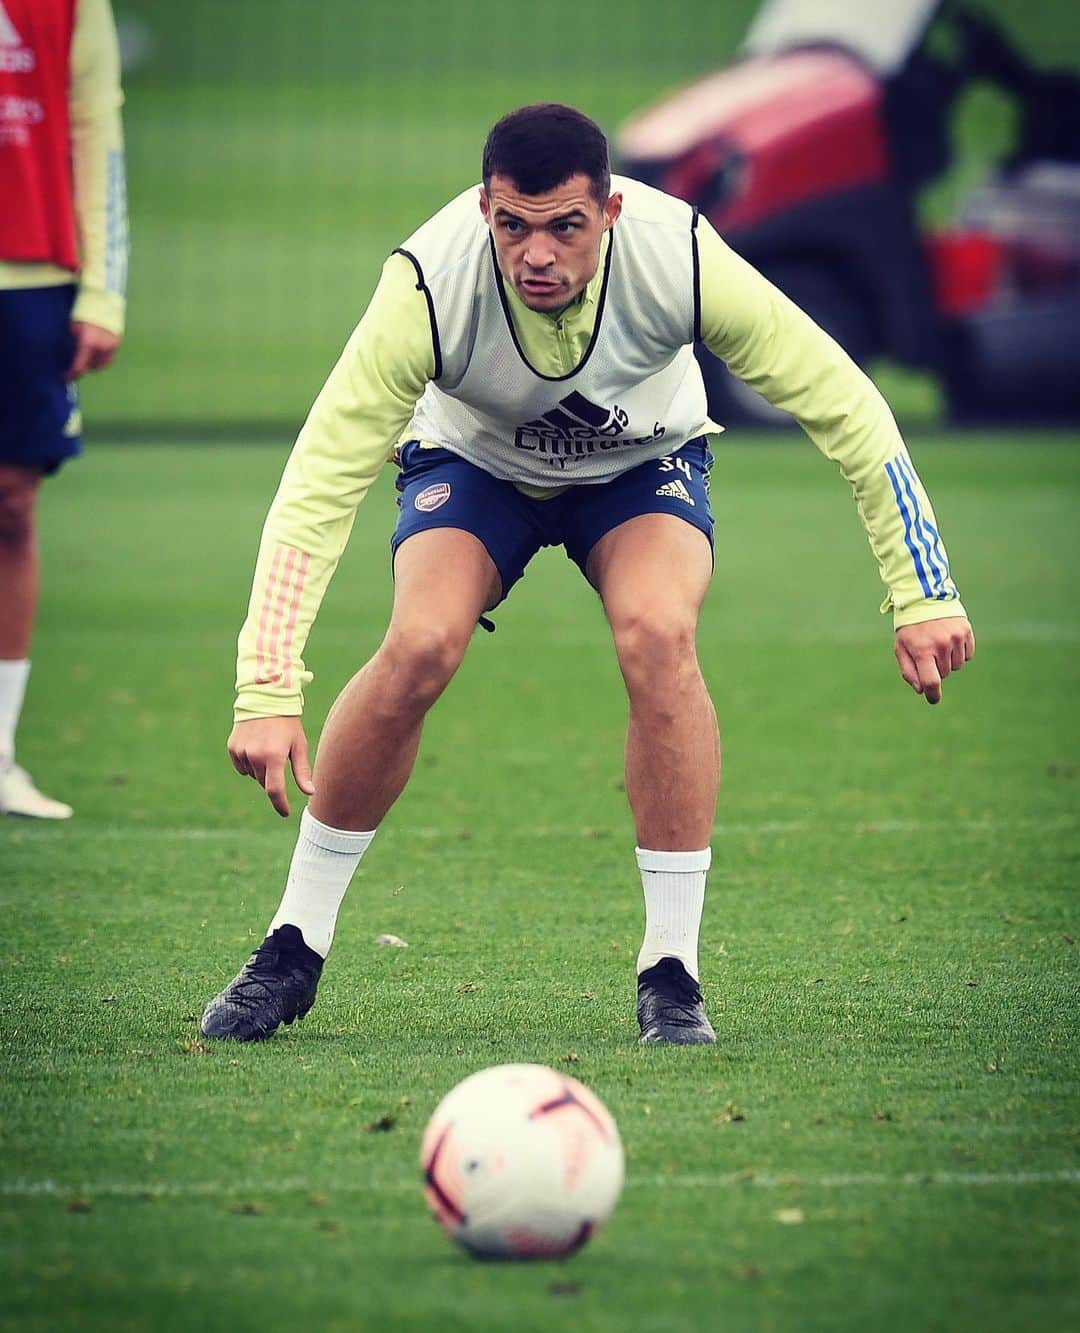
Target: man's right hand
(259, 747)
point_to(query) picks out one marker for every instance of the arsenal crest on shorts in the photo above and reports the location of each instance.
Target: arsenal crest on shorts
(431, 497)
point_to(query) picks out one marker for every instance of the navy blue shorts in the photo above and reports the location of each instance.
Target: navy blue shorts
(39, 413)
(440, 490)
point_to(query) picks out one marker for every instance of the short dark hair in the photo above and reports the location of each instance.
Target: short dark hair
(540, 146)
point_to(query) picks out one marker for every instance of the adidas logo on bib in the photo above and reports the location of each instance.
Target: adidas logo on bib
(15, 56)
(577, 429)
(677, 491)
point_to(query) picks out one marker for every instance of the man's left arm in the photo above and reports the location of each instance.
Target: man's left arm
(97, 157)
(773, 346)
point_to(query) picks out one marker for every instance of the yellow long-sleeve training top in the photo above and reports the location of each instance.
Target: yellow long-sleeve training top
(97, 164)
(368, 399)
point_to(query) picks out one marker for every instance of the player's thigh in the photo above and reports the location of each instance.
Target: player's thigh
(39, 416)
(653, 567)
(644, 540)
(443, 576)
(442, 493)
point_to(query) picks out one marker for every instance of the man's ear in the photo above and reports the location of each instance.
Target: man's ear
(485, 205)
(612, 209)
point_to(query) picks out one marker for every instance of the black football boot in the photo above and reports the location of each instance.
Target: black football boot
(669, 1006)
(276, 985)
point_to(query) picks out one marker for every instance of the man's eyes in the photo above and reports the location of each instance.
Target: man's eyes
(514, 228)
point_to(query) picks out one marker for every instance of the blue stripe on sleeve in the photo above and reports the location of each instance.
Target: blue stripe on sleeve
(901, 504)
(904, 472)
(946, 587)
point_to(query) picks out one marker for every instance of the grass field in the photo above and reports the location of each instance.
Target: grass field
(887, 1134)
(278, 151)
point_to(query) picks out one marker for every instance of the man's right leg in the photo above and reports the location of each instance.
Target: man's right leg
(19, 487)
(18, 601)
(443, 579)
(38, 431)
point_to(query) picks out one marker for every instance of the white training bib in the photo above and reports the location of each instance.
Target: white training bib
(637, 393)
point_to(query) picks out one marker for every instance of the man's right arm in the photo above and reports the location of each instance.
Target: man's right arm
(356, 420)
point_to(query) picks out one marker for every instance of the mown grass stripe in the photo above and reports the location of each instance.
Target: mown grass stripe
(27, 1189)
(763, 828)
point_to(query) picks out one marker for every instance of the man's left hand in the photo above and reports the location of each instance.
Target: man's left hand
(928, 651)
(95, 347)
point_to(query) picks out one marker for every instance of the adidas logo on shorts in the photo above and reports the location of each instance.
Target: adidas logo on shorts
(676, 490)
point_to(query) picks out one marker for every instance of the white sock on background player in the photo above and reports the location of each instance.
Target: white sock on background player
(13, 678)
(674, 886)
(322, 865)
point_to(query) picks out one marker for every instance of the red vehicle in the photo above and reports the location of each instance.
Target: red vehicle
(808, 155)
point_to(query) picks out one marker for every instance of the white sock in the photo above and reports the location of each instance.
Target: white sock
(674, 885)
(322, 866)
(13, 677)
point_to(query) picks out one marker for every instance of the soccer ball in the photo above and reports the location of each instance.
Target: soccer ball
(521, 1162)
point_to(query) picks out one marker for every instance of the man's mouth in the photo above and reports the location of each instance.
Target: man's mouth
(540, 285)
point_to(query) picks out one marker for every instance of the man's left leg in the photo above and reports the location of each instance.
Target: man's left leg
(652, 573)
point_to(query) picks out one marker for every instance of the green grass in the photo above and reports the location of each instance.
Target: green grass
(889, 949)
(278, 151)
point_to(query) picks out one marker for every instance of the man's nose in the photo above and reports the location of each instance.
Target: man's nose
(539, 253)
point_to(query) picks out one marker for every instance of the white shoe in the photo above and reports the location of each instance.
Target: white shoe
(19, 796)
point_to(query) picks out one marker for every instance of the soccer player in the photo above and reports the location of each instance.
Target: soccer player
(530, 350)
(63, 265)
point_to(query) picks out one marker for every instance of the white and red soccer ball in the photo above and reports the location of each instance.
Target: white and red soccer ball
(521, 1162)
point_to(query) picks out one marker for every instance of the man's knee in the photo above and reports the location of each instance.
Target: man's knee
(18, 495)
(655, 645)
(422, 658)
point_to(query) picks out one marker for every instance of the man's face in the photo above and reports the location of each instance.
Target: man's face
(547, 245)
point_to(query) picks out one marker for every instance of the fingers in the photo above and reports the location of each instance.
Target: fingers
(270, 775)
(100, 357)
(259, 748)
(921, 673)
(929, 652)
(80, 362)
(908, 669)
(94, 349)
(301, 766)
(930, 677)
(273, 780)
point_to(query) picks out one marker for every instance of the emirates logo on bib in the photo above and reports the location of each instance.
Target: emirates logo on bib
(431, 497)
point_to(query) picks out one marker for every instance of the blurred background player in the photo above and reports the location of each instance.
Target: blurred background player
(533, 346)
(63, 270)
